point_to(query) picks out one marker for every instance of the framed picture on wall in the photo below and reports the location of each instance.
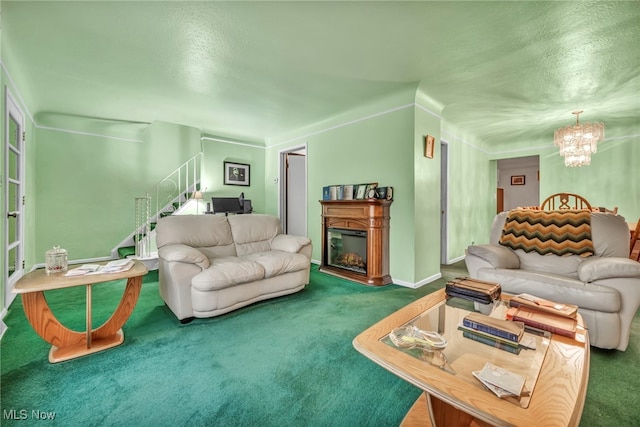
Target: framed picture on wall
(236, 174)
(517, 179)
(429, 146)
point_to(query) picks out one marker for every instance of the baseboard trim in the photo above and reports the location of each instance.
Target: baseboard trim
(453, 261)
(419, 284)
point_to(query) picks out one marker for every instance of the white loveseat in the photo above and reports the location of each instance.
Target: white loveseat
(606, 285)
(212, 264)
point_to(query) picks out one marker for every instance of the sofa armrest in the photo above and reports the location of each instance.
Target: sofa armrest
(289, 243)
(596, 268)
(183, 253)
(497, 256)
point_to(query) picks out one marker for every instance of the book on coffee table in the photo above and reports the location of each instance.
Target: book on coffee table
(510, 381)
(541, 304)
(492, 341)
(560, 325)
(505, 329)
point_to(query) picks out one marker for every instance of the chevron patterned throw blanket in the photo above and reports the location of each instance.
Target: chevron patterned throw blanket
(565, 232)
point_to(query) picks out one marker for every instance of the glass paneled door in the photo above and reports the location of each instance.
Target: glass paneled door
(14, 195)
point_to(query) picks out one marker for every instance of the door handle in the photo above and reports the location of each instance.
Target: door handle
(13, 214)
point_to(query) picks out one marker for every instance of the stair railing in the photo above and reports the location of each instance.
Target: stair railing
(142, 239)
(169, 195)
(173, 191)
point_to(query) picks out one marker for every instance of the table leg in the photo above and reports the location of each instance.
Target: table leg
(418, 415)
(443, 414)
(123, 311)
(429, 411)
(68, 344)
(46, 324)
(88, 316)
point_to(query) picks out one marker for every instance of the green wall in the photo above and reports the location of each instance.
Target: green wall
(376, 143)
(86, 184)
(215, 153)
(617, 182)
(426, 180)
(471, 192)
(612, 179)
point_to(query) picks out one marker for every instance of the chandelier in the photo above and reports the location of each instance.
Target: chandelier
(577, 142)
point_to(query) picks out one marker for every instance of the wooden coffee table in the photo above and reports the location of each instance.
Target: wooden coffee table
(68, 344)
(557, 372)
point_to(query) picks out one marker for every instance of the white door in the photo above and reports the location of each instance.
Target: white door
(14, 196)
(293, 191)
(296, 195)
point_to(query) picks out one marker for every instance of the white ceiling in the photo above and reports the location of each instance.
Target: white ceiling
(254, 71)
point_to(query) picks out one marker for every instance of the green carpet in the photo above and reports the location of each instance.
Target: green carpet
(286, 361)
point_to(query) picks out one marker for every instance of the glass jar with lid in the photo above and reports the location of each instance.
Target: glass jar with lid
(56, 260)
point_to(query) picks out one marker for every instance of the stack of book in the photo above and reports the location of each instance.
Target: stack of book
(503, 334)
(543, 314)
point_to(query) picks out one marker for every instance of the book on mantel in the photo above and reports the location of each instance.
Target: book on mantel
(560, 325)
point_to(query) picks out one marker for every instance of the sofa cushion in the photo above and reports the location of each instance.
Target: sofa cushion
(565, 266)
(555, 288)
(227, 271)
(183, 253)
(598, 268)
(276, 263)
(497, 256)
(610, 235)
(253, 232)
(561, 233)
(289, 243)
(197, 231)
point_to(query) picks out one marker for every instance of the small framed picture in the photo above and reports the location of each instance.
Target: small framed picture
(361, 192)
(370, 191)
(236, 174)
(347, 192)
(429, 146)
(517, 179)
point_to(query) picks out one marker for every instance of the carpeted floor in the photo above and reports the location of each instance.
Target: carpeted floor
(286, 361)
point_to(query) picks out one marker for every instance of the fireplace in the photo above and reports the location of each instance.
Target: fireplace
(347, 249)
(355, 240)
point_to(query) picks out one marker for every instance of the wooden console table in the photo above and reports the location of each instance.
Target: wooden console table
(370, 215)
(68, 344)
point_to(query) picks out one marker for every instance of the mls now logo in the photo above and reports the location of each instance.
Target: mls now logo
(23, 414)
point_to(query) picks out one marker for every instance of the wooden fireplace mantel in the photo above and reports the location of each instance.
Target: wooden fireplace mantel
(370, 215)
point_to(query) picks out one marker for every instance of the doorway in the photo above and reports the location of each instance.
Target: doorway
(518, 182)
(14, 138)
(293, 191)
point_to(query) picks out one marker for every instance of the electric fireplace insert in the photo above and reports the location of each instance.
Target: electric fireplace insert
(347, 249)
